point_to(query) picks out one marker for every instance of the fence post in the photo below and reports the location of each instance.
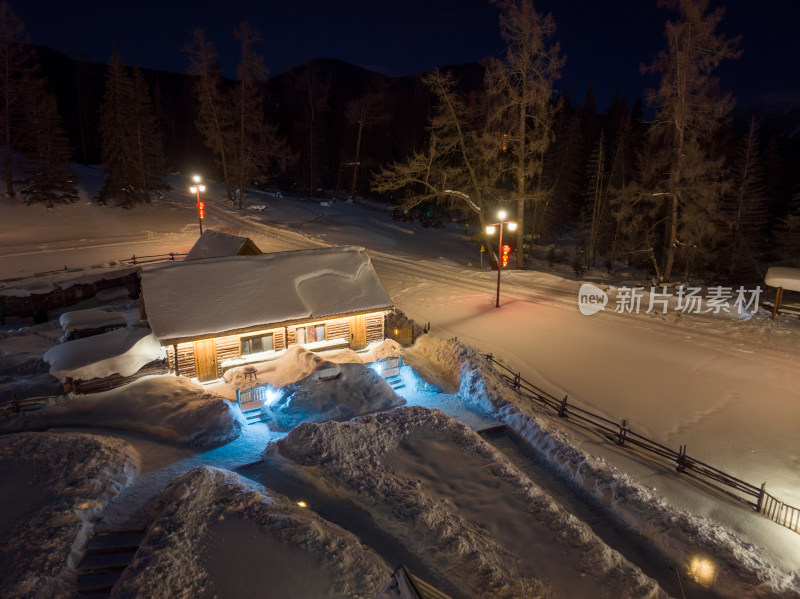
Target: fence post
(760, 502)
(681, 467)
(172, 256)
(516, 380)
(562, 409)
(133, 259)
(623, 433)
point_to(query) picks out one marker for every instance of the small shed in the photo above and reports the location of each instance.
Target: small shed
(218, 313)
(215, 244)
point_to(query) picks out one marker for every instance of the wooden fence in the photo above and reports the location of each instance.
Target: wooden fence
(622, 435)
(170, 257)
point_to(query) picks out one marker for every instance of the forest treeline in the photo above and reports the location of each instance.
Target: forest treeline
(668, 181)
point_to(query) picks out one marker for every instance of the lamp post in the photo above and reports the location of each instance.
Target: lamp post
(201, 206)
(490, 231)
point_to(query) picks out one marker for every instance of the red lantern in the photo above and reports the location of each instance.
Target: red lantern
(506, 249)
(201, 207)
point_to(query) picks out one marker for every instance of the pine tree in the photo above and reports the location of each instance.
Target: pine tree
(690, 110)
(17, 64)
(745, 206)
(254, 144)
(133, 160)
(312, 94)
(524, 80)
(46, 150)
(787, 233)
(216, 116)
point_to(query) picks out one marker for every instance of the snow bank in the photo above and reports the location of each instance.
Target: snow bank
(740, 568)
(461, 505)
(62, 483)
(339, 392)
(92, 318)
(166, 406)
(217, 534)
(123, 352)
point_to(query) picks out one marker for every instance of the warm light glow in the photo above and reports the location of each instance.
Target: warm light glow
(702, 571)
(512, 226)
(490, 230)
(302, 504)
(203, 188)
(193, 189)
(502, 215)
(196, 178)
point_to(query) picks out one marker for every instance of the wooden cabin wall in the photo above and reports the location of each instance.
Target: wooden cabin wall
(229, 346)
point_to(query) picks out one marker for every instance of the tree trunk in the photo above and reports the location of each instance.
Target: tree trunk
(672, 239)
(358, 152)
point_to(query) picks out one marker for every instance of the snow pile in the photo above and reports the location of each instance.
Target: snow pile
(92, 318)
(295, 364)
(173, 408)
(217, 534)
(61, 485)
(782, 276)
(462, 506)
(740, 568)
(259, 291)
(123, 352)
(339, 392)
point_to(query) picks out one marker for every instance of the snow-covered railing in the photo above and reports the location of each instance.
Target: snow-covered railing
(622, 435)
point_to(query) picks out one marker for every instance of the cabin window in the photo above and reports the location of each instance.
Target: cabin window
(311, 333)
(257, 344)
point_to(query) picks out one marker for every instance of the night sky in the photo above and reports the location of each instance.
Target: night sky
(605, 41)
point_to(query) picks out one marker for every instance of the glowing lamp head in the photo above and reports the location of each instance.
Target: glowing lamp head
(502, 215)
(512, 226)
(302, 504)
(196, 178)
(376, 367)
(490, 230)
(506, 248)
(193, 189)
(202, 188)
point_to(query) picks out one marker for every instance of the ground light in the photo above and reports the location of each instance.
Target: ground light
(702, 570)
(302, 504)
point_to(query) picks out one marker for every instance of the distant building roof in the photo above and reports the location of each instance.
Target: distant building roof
(214, 244)
(191, 300)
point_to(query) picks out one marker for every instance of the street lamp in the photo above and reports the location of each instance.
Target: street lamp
(201, 206)
(512, 226)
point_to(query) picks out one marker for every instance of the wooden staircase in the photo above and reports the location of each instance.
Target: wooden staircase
(107, 556)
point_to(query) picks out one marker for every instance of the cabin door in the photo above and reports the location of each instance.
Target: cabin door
(358, 332)
(205, 360)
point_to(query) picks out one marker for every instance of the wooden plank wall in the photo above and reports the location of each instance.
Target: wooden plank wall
(374, 327)
(229, 347)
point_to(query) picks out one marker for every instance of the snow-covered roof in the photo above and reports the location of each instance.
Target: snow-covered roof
(192, 300)
(214, 244)
(92, 318)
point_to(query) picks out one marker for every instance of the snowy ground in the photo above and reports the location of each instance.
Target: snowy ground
(725, 386)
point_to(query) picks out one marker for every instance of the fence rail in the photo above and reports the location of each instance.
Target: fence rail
(622, 435)
(154, 258)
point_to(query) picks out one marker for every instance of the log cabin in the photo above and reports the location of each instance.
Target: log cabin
(217, 313)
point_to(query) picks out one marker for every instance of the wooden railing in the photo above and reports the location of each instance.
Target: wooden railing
(154, 258)
(251, 395)
(622, 435)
